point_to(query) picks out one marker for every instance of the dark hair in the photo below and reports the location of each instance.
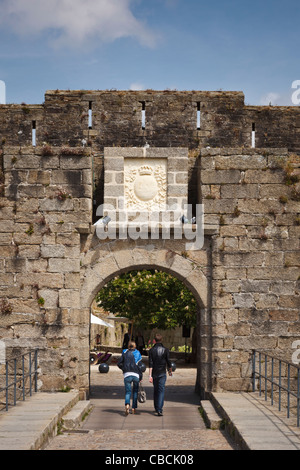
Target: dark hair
(131, 345)
(158, 338)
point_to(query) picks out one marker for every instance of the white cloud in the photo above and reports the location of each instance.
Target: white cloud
(270, 98)
(284, 98)
(137, 87)
(75, 22)
(2, 92)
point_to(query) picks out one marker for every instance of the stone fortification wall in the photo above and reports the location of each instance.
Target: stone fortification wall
(170, 119)
(112, 118)
(251, 198)
(50, 257)
(116, 119)
(46, 201)
(275, 126)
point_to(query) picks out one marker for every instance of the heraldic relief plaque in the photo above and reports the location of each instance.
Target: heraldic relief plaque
(145, 184)
(145, 191)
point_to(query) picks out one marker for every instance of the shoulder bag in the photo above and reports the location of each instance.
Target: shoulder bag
(141, 394)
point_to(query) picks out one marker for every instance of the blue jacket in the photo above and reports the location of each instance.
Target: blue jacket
(127, 363)
(136, 353)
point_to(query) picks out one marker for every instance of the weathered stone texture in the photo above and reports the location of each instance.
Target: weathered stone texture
(40, 255)
(255, 279)
(171, 121)
(245, 278)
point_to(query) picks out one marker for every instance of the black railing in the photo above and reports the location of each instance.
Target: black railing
(277, 378)
(20, 376)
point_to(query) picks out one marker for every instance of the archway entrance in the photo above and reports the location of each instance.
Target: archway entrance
(106, 260)
(138, 305)
(149, 302)
(154, 302)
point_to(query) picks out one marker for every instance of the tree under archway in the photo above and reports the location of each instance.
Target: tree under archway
(150, 299)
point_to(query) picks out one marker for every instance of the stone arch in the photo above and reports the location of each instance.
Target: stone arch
(105, 260)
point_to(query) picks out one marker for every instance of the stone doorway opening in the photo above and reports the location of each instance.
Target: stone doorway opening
(136, 306)
(106, 260)
(107, 389)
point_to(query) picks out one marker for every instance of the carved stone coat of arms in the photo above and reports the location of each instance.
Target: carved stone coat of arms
(145, 184)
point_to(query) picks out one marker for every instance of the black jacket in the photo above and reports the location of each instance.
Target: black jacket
(127, 364)
(159, 360)
(125, 341)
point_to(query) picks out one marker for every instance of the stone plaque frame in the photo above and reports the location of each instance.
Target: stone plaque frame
(172, 181)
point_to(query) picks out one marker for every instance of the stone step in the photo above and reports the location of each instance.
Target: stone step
(75, 416)
(30, 424)
(210, 416)
(254, 424)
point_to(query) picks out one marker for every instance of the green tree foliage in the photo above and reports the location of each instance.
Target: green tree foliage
(151, 299)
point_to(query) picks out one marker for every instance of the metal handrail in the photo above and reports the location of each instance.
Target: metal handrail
(262, 356)
(32, 372)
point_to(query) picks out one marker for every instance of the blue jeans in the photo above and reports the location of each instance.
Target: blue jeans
(128, 381)
(159, 392)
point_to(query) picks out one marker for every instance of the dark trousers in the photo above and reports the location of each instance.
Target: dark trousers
(159, 392)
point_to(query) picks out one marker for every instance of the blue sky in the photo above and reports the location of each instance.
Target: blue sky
(138, 44)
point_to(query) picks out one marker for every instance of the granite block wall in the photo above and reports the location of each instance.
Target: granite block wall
(251, 198)
(250, 259)
(46, 203)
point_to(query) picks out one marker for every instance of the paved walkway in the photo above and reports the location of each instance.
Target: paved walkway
(253, 423)
(180, 428)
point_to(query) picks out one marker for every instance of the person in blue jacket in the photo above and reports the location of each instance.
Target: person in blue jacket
(128, 363)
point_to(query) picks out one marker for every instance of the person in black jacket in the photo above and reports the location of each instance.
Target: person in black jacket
(128, 363)
(140, 342)
(126, 338)
(159, 361)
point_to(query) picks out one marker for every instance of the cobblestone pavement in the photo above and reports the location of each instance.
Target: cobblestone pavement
(107, 428)
(142, 440)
